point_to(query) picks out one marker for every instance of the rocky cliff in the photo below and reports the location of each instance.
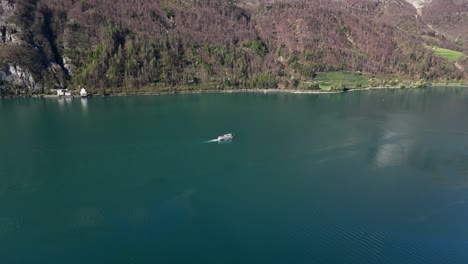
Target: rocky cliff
(26, 57)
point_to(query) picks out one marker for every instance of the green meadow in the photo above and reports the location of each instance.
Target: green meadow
(451, 55)
(340, 80)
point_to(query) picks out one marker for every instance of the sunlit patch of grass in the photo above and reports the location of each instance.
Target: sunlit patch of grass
(340, 79)
(451, 55)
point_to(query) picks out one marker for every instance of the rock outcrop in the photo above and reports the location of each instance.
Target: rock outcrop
(8, 31)
(419, 4)
(12, 77)
(17, 77)
(24, 63)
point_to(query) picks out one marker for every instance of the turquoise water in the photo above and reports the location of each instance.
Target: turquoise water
(362, 177)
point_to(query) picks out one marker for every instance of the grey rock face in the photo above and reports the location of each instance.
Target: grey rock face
(419, 4)
(13, 75)
(14, 79)
(8, 32)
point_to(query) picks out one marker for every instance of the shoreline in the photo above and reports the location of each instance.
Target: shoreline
(260, 91)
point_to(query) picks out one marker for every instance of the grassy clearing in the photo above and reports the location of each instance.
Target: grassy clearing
(339, 80)
(451, 55)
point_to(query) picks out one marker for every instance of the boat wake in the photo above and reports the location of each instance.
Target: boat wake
(212, 141)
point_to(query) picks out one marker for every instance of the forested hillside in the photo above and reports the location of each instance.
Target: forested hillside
(129, 46)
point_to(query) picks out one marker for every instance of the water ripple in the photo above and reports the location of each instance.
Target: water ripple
(318, 234)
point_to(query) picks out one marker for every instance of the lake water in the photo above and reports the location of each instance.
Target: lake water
(362, 177)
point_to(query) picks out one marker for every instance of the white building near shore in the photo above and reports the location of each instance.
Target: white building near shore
(83, 92)
(64, 92)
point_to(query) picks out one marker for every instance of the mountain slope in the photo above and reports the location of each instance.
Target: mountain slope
(122, 46)
(448, 17)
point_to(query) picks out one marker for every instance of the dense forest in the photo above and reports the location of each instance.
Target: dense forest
(119, 46)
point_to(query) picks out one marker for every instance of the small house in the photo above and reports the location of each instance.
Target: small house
(64, 93)
(83, 92)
